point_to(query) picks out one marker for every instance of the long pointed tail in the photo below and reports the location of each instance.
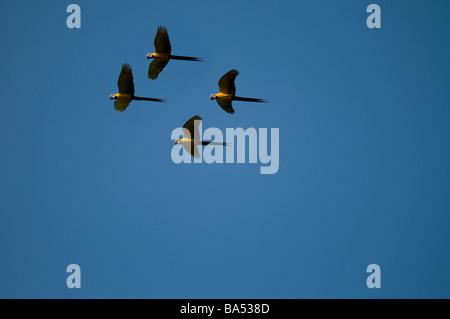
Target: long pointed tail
(214, 143)
(147, 99)
(248, 99)
(186, 58)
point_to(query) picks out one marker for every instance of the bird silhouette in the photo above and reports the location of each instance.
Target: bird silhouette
(162, 54)
(227, 91)
(126, 90)
(191, 134)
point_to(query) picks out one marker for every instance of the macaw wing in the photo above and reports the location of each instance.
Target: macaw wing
(162, 43)
(192, 149)
(125, 82)
(226, 82)
(191, 127)
(121, 105)
(225, 105)
(156, 67)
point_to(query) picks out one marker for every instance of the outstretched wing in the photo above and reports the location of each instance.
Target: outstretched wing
(191, 131)
(225, 105)
(125, 82)
(226, 82)
(162, 43)
(192, 149)
(192, 127)
(156, 67)
(121, 105)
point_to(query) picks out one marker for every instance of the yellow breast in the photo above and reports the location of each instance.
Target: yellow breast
(160, 55)
(185, 140)
(225, 97)
(122, 96)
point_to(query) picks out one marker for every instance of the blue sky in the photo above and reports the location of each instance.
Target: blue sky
(364, 172)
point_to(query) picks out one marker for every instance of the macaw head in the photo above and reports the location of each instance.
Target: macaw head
(213, 97)
(150, 56)
(177, 142)
(113, 97)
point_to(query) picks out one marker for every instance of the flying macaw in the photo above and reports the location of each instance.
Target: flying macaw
(191, 135)
(227, 91)
(126, 90)
(162, 54)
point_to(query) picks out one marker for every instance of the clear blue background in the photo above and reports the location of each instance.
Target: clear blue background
(364, 176)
